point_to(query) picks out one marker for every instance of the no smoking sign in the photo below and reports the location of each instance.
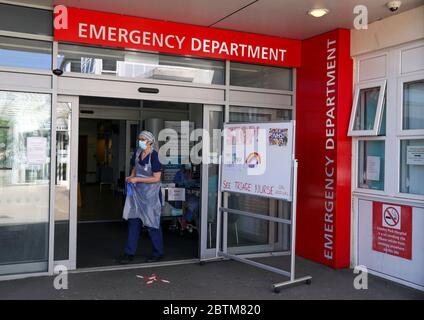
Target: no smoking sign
(391, 216)
(392, 229)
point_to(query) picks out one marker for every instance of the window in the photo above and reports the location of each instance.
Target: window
(22, 53)
(25, 122)
(132, 64)
(387, 123)
(413, 105)
(367, 109)
(26, 20)
(411, 137)
(257, 76)
(251, 114)
(371, 164)
(412, 166)
(5, 141)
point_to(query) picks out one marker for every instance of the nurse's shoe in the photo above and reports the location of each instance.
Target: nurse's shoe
(126, 258)
(154, 259)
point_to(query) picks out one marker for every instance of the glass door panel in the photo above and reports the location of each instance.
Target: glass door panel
(62, 181)
(25, 132)
(66, 189)
(213, 117)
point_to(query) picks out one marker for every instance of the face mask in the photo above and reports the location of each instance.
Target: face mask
(142, 145)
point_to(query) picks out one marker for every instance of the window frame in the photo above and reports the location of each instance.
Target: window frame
(378, 114)
(79, 49)
(292, 79)
(26, 69)
(399, 193)
(405, 134)
(48, 8)
(355, 174)
(401, 132)
(261, 110)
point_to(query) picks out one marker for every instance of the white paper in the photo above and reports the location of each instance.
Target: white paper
(36, 150)
(176, 194)
(373, 168)
(257, 159)
(415, 155)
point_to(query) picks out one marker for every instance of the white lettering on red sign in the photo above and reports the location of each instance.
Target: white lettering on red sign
(115, 30)
(171, 41)
(112, 34)
(330, 168)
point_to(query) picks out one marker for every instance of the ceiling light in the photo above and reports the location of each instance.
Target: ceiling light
(317, 13)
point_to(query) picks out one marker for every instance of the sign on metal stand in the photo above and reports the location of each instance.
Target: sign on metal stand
(258, 159)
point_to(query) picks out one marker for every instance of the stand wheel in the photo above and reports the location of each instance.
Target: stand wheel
(277, 290)
(308, 282)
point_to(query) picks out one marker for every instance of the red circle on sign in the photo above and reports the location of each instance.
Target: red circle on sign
(391, 216)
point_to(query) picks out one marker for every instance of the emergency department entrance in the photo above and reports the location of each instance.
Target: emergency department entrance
(95, 195)
(243, 235)
(76, 238)
(43, 113)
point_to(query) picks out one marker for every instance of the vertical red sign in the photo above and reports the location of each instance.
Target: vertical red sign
(392, 229)
(324, 98)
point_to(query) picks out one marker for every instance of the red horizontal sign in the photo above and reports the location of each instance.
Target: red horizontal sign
(115, 30)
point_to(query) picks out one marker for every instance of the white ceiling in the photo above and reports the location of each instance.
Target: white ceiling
(284, 18)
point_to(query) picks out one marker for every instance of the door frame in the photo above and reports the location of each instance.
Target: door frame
(70, 264)
(128, 124)
(205, 252)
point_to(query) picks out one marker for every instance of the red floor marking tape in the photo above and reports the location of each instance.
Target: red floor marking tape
(152, 278)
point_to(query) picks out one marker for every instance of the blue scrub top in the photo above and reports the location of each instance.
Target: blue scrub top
(156, 165)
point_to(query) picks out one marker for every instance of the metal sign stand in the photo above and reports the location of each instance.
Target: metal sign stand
(291, 274)
(307, 279)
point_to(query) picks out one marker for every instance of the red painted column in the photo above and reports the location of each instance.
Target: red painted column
(323, 149)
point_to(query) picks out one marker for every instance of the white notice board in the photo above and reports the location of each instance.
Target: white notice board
(258, 158)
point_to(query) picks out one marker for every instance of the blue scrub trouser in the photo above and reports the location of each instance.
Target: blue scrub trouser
(134, 227)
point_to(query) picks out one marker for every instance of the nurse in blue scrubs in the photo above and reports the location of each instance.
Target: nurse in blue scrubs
(145, 209)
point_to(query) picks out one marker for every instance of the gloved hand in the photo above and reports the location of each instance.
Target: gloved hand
(130, 187)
